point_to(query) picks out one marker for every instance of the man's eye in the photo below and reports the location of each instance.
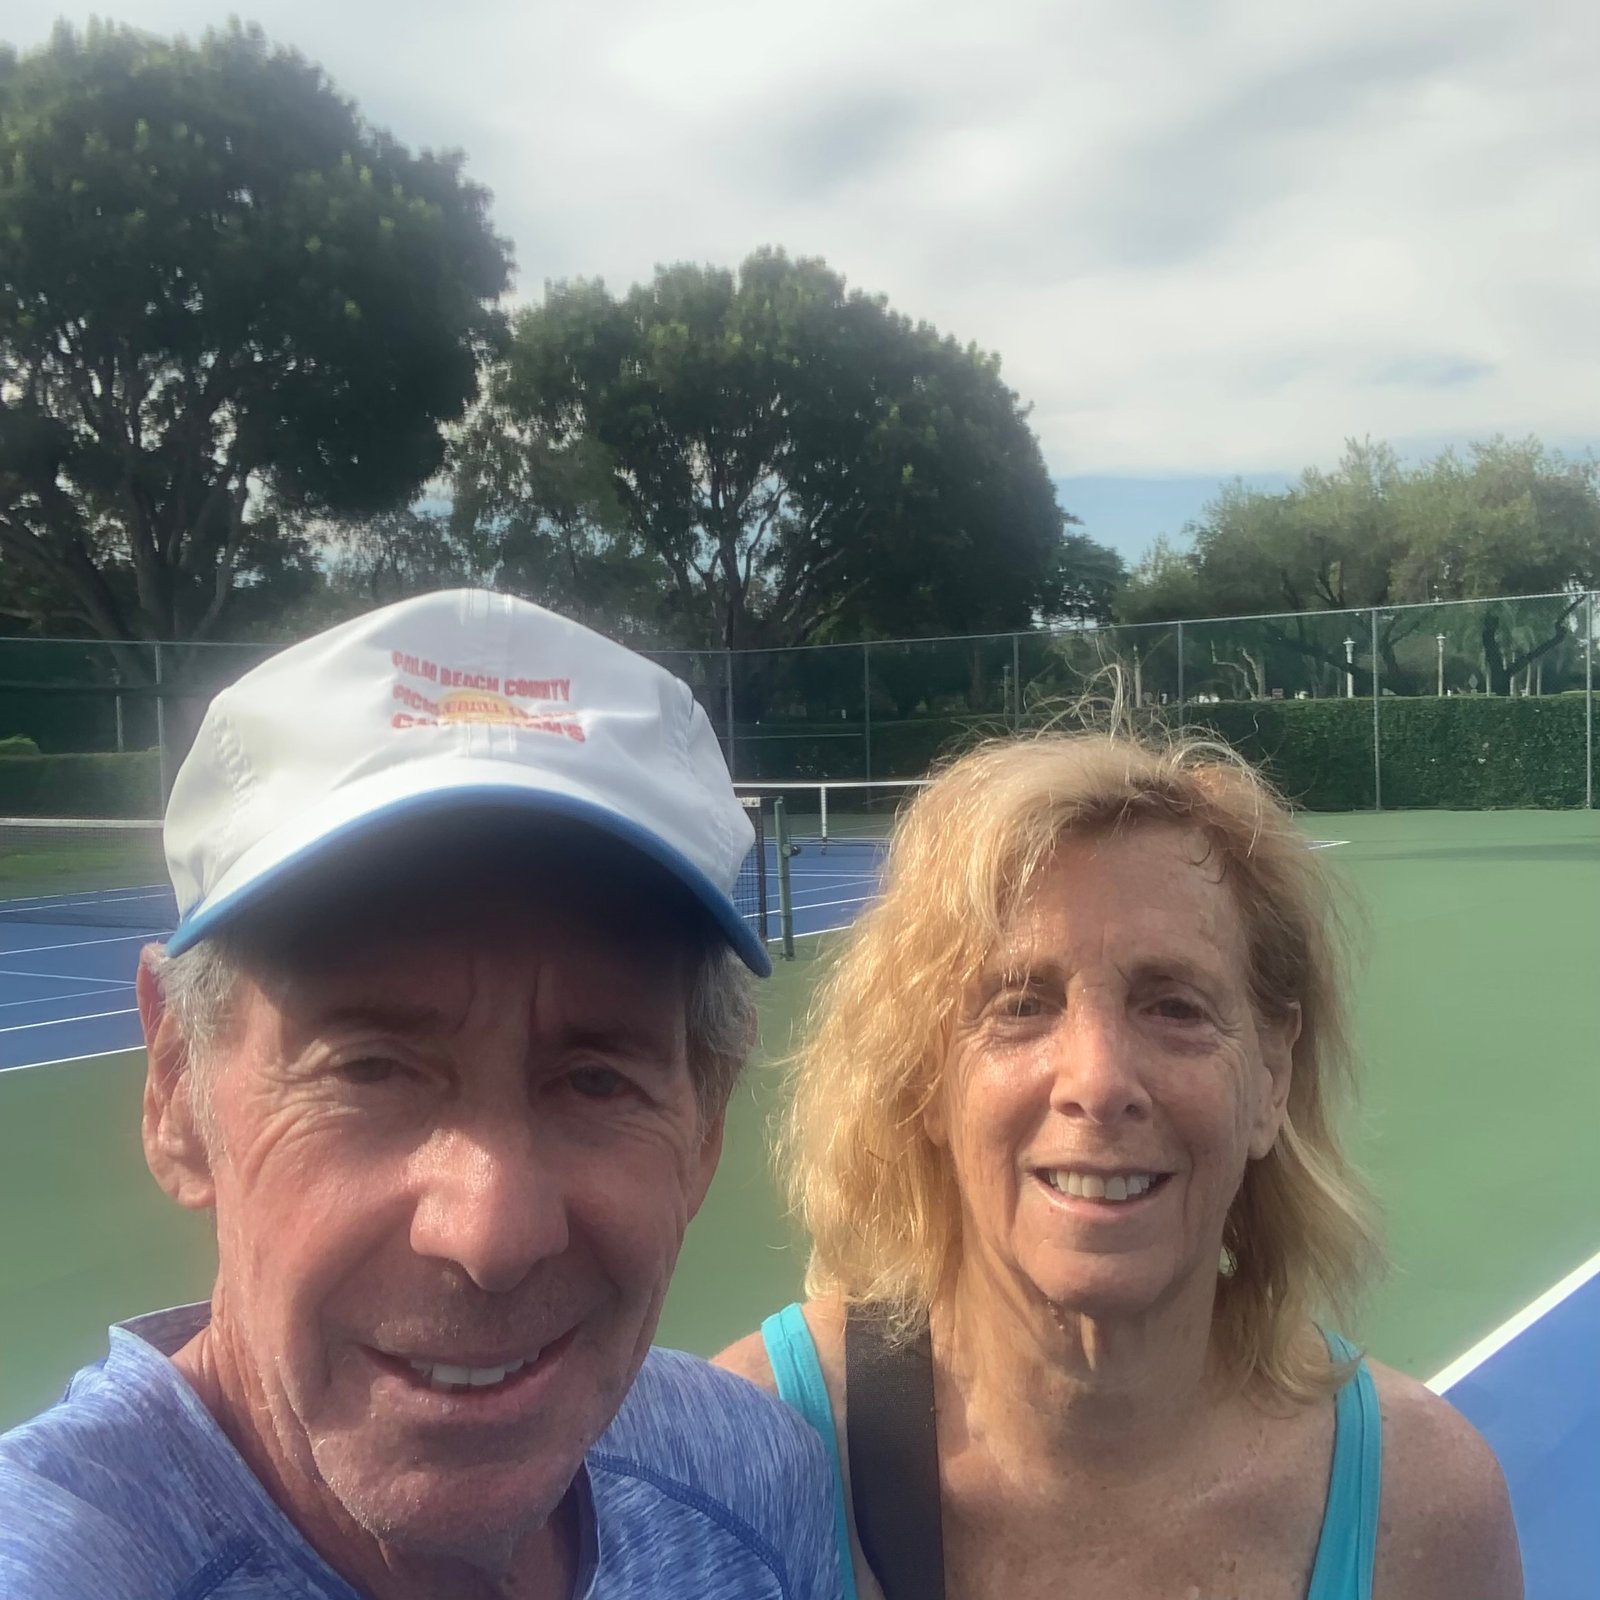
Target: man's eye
(597, 1083)
(1174, 1008)
(368, 1070)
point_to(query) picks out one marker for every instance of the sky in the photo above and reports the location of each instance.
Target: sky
(1208, 238)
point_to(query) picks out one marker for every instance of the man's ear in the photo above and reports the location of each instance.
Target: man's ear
(709, 1155)
(174, 1145)
(1278, 1039)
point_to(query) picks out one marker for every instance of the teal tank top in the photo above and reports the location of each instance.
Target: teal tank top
(1348, 1543)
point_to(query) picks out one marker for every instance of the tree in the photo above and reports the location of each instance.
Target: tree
(227, 306)
(1505, 519)
(763, 458)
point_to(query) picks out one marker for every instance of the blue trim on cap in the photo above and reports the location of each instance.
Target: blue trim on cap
(203, 920)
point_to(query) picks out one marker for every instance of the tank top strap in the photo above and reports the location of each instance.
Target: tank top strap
(792, 1354)
(1347, 1548)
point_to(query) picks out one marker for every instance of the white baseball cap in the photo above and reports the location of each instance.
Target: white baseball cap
(450, 701)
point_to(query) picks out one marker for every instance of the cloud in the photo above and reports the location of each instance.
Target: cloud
(1206, 236)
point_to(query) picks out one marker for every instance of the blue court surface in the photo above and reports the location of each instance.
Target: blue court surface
(1532, 1388)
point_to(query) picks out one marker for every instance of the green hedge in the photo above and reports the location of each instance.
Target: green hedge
(1467, 752)
(126, 785)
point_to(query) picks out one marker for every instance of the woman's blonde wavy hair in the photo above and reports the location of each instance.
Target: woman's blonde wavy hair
(878, 1197)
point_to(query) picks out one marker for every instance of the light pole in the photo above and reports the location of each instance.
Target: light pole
(1438, 639)
(1349, 669)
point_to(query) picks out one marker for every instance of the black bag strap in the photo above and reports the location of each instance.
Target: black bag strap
(892, 1434)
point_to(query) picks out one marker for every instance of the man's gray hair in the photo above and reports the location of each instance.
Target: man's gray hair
(198, 988)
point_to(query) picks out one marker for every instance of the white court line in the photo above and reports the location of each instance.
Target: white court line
(822, 905)
(27, 904)
(72, 1061)
(82, 944)
(51, 999)
(54, 977)
(68, 977)
(812, 933)
(1507, 1331)
(868, 892)
(62, 1022)
(1327, 844)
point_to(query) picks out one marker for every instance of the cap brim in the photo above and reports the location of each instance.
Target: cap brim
(271, 866)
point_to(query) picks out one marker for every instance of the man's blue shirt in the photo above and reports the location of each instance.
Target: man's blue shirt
(127, 1489)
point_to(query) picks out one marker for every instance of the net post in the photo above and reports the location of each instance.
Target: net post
(1377, 756)
(1180, 668)
(727, 702)
(1588, 708)
(780, 826)
(822, 810)
(866, 716)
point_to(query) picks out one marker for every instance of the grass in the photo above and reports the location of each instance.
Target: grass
(1478, 1012)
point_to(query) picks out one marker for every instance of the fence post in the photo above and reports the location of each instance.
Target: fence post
(780, 826)
(1588, 709)
(164, 758)
(1016, 682)
(727, 701)
(1180, 668)
(1377, 756)
(866, 704)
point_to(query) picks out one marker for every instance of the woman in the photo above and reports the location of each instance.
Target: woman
(1065, 1125)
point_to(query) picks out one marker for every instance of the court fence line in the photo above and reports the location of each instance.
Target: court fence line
(873, 709)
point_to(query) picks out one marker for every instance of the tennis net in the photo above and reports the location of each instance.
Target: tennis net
(750, 892)
(837, 815)
(85, 873)
(109, 873)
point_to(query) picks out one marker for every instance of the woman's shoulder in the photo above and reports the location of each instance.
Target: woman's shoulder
(1446, 1527)
(750, 1358)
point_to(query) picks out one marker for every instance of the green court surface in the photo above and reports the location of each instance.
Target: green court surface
(1478, 1002)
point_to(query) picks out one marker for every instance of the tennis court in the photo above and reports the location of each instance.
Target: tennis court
(1479, 1015)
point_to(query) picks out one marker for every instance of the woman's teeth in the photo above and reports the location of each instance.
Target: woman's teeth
(1091, 1186)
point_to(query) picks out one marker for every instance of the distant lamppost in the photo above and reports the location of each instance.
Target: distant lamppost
(1349, 669)
(1438, 639)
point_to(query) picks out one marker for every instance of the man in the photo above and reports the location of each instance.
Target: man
(444, 1039)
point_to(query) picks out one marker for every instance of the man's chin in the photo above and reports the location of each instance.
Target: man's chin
(477, 1515)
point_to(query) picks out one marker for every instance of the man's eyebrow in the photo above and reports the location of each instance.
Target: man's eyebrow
(393, 1015)
(631, 1040)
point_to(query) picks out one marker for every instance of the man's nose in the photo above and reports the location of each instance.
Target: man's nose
(489, 1204)
(1096, 1064)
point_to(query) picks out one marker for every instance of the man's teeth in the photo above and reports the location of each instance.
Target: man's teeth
(1091, 1186)
(443, 1376)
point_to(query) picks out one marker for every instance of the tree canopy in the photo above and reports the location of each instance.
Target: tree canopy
(225, 301)
(764, 458)
(1506, 518)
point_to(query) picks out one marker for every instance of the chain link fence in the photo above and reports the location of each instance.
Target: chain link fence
(1471, 703)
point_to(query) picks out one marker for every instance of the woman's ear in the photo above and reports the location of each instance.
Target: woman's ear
(1278, 1039)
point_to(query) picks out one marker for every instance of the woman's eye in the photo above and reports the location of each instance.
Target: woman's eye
(597, 1083)
(1019, 1005)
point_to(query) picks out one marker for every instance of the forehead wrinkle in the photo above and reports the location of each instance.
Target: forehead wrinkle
(1170, 899)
